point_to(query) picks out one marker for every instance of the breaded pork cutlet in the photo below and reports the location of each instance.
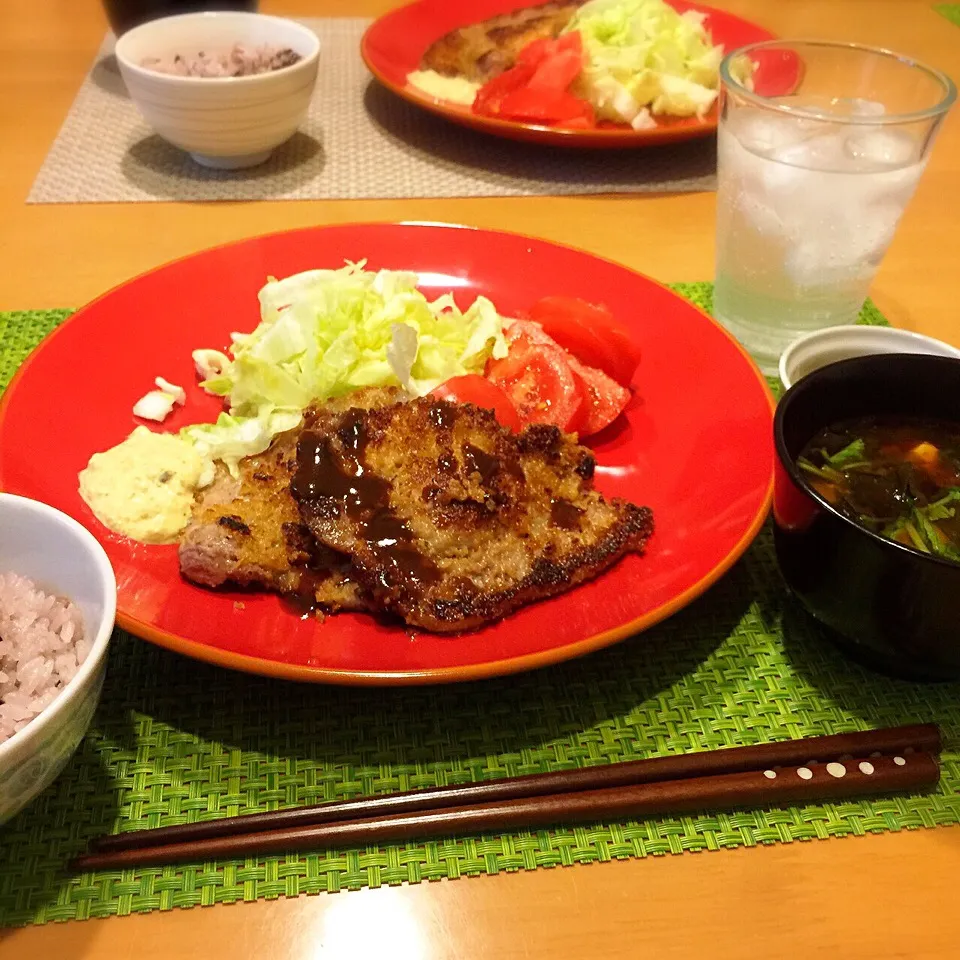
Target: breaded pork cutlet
(484, 50)
(247, 530)
(452, 521)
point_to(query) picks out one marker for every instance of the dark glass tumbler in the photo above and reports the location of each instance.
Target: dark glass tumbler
(124, 14)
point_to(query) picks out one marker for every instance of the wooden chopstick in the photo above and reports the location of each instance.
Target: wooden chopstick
(924, 737)
(682, 766)
(761, 787)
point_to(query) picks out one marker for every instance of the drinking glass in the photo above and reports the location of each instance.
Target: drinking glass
(820, 146)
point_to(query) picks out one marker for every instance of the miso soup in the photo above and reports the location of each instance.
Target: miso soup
(896, 476)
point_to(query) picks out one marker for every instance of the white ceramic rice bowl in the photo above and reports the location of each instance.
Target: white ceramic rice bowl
(223, 122)
(62, 557)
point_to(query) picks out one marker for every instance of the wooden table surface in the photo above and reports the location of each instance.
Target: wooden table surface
(872, 897)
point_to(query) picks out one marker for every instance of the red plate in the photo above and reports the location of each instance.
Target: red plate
(393, 46)
(695, 444)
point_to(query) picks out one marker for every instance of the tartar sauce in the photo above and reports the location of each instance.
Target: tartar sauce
(144, 487)
(454, 89)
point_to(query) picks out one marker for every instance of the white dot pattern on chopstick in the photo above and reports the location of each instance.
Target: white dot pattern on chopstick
(805, 773)
(836, 770)
(770, 774)
(899, 761)
(866, 767)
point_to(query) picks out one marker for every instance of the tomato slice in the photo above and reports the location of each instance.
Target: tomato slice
(542, 106)
(490, 96)
(472, 388)
(569, 41)
(536, 51)
(584, 342)
(534, 333)
(538, 380)
(557, 71)
(591, 334)
(536, 88)
(603, 399)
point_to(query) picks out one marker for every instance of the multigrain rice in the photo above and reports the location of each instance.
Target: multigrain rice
(42, 644)
(239, 61)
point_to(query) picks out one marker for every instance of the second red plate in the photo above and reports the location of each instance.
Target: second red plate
(394, 44)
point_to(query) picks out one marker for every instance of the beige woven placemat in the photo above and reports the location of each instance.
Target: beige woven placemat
(360, 141)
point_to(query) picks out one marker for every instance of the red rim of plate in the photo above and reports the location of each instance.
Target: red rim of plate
(379, 45)
(436, 675)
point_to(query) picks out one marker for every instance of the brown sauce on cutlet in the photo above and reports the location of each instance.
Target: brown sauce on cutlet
(479, 461)
(387, 533)
(385, 528)
(338, 481)
(405, 567)
(565, 515)
(442, 414)
(303, 587)
(301, 598)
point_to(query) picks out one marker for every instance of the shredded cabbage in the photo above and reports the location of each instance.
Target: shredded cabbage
(232, 438)
(642, 57)
(178, 393)
(155, 405)
(324, 333)
(158, 404)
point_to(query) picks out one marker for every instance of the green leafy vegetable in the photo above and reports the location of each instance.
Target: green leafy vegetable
(915, 536)
(939, 509)
(644, 58)
(824, 472)
(325, 333)
(231, 438)
(891, 531)
(919, 526)
(927, 530)
(852, 453)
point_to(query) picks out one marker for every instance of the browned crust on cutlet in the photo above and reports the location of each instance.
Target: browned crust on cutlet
(548, 578)
(483, 50)
(254, 538)
(491, 536)
(247, 531)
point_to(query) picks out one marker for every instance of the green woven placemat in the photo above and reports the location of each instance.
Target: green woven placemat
(175, 741)
(950, 10)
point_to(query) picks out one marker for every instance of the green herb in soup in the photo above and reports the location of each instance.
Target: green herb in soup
(897, 477)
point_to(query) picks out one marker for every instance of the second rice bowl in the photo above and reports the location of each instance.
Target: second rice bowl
(226, 122)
